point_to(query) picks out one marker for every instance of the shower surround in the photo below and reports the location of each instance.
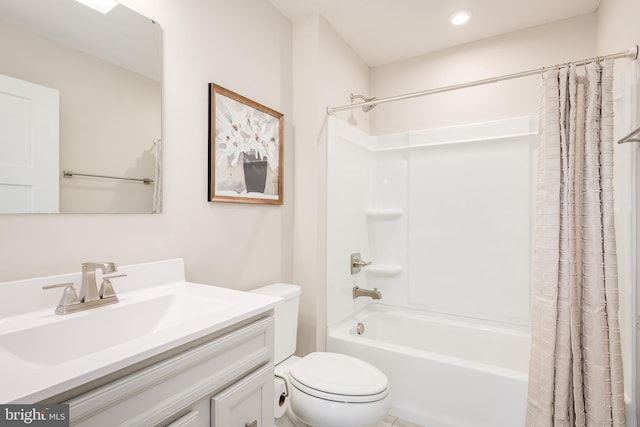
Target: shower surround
(446, 217)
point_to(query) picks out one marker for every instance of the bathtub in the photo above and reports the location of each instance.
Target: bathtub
(444, 371)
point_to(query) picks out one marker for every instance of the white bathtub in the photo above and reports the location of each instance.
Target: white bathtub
(444, 371)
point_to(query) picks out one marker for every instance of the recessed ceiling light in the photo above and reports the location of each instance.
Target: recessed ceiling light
(460, 17)
(102, 6)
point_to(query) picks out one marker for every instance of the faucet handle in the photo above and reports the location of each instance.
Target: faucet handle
(69, 295)
(357, 263)
(106, 288)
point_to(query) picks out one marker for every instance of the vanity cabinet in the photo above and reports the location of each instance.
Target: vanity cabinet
(226, 381)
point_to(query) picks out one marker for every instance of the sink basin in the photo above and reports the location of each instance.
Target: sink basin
(72, 336)
(43, 354)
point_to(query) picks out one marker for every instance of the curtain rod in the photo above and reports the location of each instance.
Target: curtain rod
(632, 137)
(631, 54)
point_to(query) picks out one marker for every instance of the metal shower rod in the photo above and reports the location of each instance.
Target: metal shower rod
(632, 137)
(630, 54)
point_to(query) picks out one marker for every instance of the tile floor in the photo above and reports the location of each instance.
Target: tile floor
(390, 421)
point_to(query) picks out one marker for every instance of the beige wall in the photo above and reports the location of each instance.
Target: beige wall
(617, 25)
(506, 54)
(244, 45)
(326, 70)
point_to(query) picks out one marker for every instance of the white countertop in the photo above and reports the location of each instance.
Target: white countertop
(33, 379)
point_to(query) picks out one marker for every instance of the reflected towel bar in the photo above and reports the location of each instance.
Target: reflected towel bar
(632, 137)
(69, 174)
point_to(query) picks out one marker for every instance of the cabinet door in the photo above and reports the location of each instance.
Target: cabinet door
(246, 403)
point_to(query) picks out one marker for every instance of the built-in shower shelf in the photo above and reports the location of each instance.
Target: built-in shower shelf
(384, 269)
(389, 213)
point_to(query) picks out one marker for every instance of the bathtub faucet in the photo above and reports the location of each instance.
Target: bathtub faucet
(359, 292)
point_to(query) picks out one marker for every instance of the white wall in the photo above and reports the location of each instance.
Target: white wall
(244, 45)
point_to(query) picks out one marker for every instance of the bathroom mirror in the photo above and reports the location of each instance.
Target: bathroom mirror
(80, 109)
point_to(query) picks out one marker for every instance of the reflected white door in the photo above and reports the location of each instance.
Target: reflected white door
(29, 129)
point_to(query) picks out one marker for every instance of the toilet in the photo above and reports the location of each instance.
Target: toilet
(325, 389)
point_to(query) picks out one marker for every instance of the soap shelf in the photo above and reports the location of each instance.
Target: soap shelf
(389, 213)
(384, 269)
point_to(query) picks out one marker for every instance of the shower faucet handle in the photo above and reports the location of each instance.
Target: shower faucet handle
(357, 263)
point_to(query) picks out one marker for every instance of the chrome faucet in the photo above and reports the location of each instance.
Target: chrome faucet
(359, 292)
(89, 297)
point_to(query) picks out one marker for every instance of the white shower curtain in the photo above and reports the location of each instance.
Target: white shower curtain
(575, 372)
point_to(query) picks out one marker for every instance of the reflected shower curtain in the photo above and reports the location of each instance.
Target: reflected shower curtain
(575, 372)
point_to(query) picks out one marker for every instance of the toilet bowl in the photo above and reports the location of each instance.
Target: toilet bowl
(331, 389)
(325, 389)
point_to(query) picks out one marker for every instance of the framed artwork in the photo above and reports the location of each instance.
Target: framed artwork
(245, 149)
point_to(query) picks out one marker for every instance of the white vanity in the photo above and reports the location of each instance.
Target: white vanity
(169, 353)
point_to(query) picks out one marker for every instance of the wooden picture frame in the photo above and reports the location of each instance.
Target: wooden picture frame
(245, 149)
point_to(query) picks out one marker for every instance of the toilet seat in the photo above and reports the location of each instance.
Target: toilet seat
(338, 377)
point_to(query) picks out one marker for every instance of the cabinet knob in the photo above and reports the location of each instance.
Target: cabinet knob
(254, 423)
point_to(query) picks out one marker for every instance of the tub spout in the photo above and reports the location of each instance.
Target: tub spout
(359, 292)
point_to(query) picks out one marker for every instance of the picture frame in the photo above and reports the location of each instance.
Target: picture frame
(246, 142)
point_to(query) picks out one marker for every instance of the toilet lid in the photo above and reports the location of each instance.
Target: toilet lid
(339, 374)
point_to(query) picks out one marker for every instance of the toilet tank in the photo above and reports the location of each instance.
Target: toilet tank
(285, 318)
